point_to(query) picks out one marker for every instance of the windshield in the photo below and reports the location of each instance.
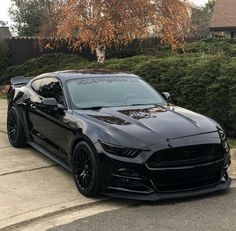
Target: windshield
(112, 92)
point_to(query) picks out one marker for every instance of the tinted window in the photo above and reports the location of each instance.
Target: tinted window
(51, 88)
(112, 92)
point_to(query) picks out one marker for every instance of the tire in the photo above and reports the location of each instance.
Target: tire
(15, 129)
(86, 170)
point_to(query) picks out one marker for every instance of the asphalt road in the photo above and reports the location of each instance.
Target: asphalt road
(214, 212)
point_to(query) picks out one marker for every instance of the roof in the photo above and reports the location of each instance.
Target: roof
(77, 74)
(5, 33)
(224, 14)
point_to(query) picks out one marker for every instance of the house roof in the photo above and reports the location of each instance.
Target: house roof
(5, 33)
(224, 15)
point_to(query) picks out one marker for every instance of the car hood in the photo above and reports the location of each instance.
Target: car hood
(151, 125)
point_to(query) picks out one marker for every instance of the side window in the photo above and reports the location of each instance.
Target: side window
(36, 85)
(51, 88)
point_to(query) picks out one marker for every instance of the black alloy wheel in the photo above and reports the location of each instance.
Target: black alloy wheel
(12, 126)
(15, 129)
(85, 169)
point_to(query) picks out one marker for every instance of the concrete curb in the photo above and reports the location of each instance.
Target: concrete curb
(35, 215)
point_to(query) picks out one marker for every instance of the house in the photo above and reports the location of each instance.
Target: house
(223, 21)
(4, 31)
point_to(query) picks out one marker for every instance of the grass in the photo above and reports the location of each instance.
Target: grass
(3, 96)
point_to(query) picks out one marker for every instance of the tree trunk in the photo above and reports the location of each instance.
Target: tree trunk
(101, 54)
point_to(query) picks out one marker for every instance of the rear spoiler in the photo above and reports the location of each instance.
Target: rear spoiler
(20, 81)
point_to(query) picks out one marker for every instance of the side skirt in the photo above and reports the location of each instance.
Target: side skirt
(50, 155)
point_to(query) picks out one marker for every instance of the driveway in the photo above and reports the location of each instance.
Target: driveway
(31, 185)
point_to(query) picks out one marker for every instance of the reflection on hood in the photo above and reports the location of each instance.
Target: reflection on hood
(144, 113)
(111, 120)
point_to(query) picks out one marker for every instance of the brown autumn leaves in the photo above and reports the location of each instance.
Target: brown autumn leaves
(103, 23)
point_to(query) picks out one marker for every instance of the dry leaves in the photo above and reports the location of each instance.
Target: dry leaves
(104, 23)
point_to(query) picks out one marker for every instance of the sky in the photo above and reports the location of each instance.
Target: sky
(5, 4)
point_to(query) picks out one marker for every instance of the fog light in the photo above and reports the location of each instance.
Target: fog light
(127, 172)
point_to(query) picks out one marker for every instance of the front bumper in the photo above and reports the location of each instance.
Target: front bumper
(140, 182)
(155, 196)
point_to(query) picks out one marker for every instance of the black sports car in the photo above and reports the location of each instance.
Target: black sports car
(118, 135)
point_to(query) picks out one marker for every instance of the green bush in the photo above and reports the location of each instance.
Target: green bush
(205, 85)
(212, 46)
(4, 58)
(46, 63)
(202, 83)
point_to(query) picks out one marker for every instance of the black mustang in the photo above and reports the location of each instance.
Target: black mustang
(118, 135)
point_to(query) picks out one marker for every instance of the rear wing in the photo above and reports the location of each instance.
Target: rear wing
(20, 81)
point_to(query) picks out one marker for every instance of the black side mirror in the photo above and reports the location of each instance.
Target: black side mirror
(166, 96)
(53, 104)
(50, 102)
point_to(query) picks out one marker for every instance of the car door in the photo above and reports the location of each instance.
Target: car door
(47, 123)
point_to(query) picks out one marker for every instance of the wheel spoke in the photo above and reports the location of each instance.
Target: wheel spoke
(12, 126)
(83, 169)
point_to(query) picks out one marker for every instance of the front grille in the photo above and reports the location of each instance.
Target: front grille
(186, 156)
(183, 183)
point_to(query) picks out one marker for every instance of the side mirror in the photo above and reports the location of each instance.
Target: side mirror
(53, 104)
(166, 96)
(50, 102)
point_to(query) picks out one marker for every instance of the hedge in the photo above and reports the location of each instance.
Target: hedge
(4, 57)
(204, 83)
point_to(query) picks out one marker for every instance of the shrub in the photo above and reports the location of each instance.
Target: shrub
(45, 63)
(213, 46)
(4, 58)
(204, 83)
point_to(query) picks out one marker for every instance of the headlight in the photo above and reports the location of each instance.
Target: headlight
(222, 134)
(224, 140)
(120, 151)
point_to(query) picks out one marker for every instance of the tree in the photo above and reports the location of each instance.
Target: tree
(201, 18)
(49, 24)
(209, 7)
(100, 24)
(29, 16)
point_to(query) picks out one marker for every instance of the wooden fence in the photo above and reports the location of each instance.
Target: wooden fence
(22, 49)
